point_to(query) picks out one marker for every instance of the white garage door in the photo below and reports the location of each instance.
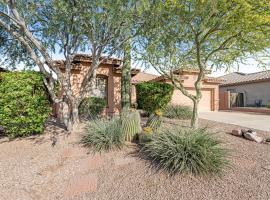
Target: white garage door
(204, 105)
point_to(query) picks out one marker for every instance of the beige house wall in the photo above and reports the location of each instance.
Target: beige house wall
(252, 92)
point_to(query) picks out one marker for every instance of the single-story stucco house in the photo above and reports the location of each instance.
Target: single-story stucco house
(210, 89)
(245, 90)
(108, 83)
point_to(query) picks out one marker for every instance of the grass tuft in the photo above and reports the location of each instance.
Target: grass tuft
(184, 150)
(103, 135)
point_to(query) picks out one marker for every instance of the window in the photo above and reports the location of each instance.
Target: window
(100, 88)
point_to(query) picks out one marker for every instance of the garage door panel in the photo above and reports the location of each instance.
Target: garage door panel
(180, 99)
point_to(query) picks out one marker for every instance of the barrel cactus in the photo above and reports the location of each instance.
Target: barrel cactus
(154, 121)
(146, 135)
(131, 125)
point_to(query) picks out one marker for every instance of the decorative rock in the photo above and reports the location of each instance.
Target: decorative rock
(253, 137)
(237, 132)
(267, 167)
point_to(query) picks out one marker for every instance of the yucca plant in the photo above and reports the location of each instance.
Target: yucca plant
(103, 135)
(184, 150)
(131, 124)
(154, 120)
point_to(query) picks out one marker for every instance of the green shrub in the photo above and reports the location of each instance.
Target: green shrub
(178, 112)
(91, 107)
(131, 125)
(103, 135)
(152, 96)
(24, 103)
(268, 105)
(185, 151)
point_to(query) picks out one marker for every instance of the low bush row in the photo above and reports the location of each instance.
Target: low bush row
(178, 112)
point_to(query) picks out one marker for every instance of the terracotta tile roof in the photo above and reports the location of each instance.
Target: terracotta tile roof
(78, 58)
(143, 77)
(242, 78)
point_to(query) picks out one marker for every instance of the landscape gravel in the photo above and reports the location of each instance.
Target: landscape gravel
(31, 168)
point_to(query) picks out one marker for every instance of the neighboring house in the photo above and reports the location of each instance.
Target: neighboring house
(108, 81)
(210, 89)
(245, 90)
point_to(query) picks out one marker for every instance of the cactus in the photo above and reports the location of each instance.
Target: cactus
(146, 135)
(154, 121)
(131, 125)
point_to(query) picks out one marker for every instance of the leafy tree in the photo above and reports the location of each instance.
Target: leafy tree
(43, 26)
(13, 52)
(200, 35)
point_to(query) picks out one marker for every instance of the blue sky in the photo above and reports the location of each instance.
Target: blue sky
(250, 66)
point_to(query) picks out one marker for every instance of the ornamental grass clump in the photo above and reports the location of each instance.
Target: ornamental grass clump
(178, 112)
(103, 135)
(184, 150)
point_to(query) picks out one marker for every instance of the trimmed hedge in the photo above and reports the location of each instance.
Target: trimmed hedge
(91, 108)
(24, 103)
(152, 96)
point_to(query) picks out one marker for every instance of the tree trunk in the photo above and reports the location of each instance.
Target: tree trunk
(70, 113)
(126, 77)
(194, 119)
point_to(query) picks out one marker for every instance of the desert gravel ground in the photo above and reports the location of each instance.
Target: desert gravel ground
(32, 168)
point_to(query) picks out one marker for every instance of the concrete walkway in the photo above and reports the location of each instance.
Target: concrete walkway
(249, 120)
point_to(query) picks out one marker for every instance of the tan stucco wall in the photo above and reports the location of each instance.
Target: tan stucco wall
(252, 92)
(113, 85)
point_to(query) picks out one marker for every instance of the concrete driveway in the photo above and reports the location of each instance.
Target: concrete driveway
(249, 120)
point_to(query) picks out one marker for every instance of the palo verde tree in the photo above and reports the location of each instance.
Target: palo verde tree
(202, 34)
(13, 53)
(43, 26)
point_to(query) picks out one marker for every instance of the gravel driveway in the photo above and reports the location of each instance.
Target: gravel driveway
(33, 169)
